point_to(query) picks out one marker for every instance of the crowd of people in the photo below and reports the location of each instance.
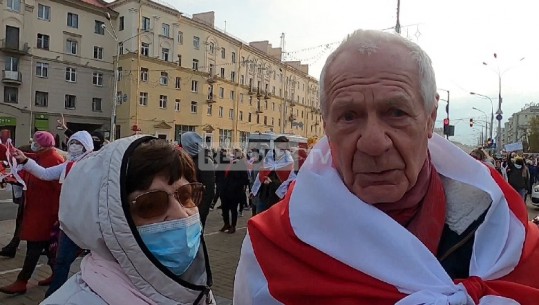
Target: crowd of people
(519, 170)
(382, 211)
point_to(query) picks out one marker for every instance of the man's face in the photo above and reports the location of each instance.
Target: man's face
(377, 125)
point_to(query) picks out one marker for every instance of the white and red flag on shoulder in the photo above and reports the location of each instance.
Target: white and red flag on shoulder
(323, 245)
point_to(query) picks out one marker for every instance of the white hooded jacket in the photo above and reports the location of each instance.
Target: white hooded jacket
(93, 215)
(58, 172)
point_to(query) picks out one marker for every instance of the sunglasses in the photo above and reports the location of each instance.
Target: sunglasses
(155, 203)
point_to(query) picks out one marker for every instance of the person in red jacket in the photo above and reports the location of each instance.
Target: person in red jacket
(40, 211)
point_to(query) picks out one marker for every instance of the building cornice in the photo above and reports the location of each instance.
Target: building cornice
(149, 3)
(88, 7)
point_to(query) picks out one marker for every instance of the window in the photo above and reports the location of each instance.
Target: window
(120, 73)
(241, 115)
(221, 92)
(70, 101)
(166, 30)
(42, 99)
(73, 20)
(12, 64)
(178, 82)
(258, 118)
(96, 104)
(164, 79)
(71, 75)
(250, 100)
(196, 42)
(233, 57)
(164, 54)
(71, 47)
(98, 52)
(195, 64)
(14, 5)
(145, 49)
(223, 53)
(212, 47)
(121, 47)
(242, 80)
(194, 107)
(221, 112)
(233, 76)
(241, 97)
(266, 104)
(43, 41)
(249, 117)
(232, 94)
(143, 74)
(99, 27)
(223, 72)
(97, 79)
(210, 109)
(163, 101)
(121, 27)
(179, 60)
(279, 122)
(42, 69)
(145, 23)
(273, 106)
(143, 99)
(265, 120)
(180, 37)
(177, 105)
(273, 90)
(231, 114)
(43, 12)
(194, 86)
(11, 95)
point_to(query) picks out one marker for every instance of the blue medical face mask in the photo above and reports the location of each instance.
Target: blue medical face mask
(174, 243)
(35, 147)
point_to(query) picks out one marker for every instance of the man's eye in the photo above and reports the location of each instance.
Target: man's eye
(348, 116)
(397, 113)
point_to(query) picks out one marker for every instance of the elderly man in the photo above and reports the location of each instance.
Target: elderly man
(383, 211)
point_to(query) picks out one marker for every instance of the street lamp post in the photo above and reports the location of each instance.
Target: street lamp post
(486, 122)
(491, 110)
(116, 61)
(499, 112)
(115, 85)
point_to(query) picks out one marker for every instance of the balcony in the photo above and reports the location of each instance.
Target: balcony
(11, 77)
(210, 99)
(9, 47)
(259, 111)
(212, 79)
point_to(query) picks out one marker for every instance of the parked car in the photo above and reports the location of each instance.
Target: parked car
(535, 195)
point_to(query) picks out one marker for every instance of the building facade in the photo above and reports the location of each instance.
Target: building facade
(180, 74)
(57, 63)
(517, 127)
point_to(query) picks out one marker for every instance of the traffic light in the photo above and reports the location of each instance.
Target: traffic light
(471, 122)
(446, 126)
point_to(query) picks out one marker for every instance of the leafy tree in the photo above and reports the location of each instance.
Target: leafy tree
(533, 136)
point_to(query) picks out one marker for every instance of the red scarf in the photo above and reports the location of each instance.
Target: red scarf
(422, 209)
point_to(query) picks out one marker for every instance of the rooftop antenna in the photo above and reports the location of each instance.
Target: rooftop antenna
(282, 45)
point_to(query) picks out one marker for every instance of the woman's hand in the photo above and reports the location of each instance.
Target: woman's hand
(18, 154)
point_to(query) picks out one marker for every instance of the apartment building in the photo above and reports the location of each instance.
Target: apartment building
(517, 127)
(179, 74)
(57, 63)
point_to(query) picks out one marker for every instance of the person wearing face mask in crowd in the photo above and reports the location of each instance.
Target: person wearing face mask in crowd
(518, 175)
(274, 176)
(40, 212)
(79, 145)
(140, 221)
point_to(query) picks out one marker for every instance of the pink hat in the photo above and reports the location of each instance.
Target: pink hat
(44, 139)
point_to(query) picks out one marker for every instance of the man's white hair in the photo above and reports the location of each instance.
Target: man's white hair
(366, 42)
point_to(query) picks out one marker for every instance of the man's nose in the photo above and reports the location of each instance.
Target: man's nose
(374, 139)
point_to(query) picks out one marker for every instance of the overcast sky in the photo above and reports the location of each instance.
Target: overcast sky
(459, 35)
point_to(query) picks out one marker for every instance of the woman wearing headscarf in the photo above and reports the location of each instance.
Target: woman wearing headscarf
(140, 221)
(79, 145)
(205, 170)
(40, 212)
